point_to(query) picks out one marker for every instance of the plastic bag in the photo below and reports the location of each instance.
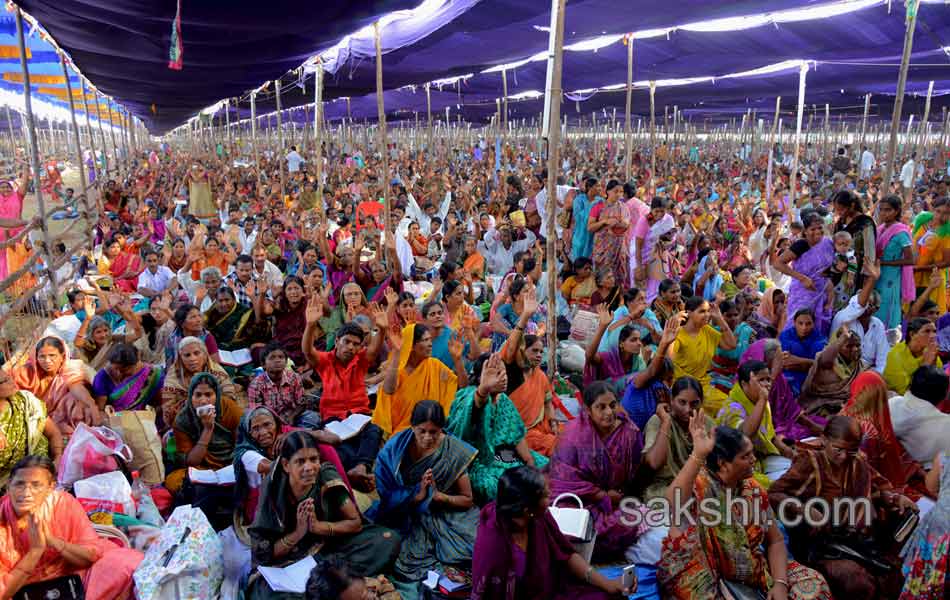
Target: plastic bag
(91, 451)
(109, 492)
(237, 564)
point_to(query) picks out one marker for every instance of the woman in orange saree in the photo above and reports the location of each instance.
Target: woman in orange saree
(45, 535)
(528, 387)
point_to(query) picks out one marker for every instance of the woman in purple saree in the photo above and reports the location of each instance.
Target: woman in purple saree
(787, 415)
(521, 555)
(596, 458)
(813, 254)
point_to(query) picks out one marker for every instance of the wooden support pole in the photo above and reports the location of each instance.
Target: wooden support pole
(864, 120)
(798, 134)
(72, 114)
(891, 158)
(381, 111)
(922, 128)
(318, 136)
(281, 161)
(652, 133)
(257, 162)
(553, 101)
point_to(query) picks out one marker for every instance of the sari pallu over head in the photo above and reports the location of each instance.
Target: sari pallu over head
(221, 445)
(396, 507)
(177, 381)
(53, 388)
(584, 464)
(713, 283)
(229, 328)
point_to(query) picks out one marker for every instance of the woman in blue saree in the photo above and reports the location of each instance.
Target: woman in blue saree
(813, 254)
(425, 493)
(895, 250)
(582, 242)
(802, 341)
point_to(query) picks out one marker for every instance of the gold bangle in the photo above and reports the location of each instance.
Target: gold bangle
(330, 526)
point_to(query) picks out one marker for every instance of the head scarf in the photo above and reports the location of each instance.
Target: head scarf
(766, 308)
(221, 446)
(32, 378)
(844, 369)
(405, 350)
(246, 443)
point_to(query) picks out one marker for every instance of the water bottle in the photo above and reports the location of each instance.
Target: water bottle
(146, 511)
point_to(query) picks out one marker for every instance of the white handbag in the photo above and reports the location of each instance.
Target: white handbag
(576, 524)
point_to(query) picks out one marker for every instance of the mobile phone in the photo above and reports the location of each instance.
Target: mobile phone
(629, 577)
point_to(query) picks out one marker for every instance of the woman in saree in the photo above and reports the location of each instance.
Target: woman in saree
(925, 554)
(802, 342)
(176, 256)
(434, 316)
(126, 383)
(608, 293)
(789, 420)
(667, 442)
(484, 416)
(697, 556)
(25, 428)
(608, 222)
(460, 317)
(725, 363)
(582, 242)
(868, 406)
(749, 411)
(708, 278)
(769, 318)
(192, 358)
(473, 263)
(920, 348)
(289, 315)
(851, 218)
(45, 535)
(413, 375)
(528, 386)
(254, 454)
(596, 458)
(60, 382)
(695, 345)
(895, 250)
(352, 302)
(521, 553)
(126, 267)
(509, 315)
(932, 244)
(232, 324)
(306, 509)
(617, 364)
(658, 247)
(95, 340)
(812, 255)
(578, 288)
(828, 384)
(206, 441)
(837, 469)
(189, 322)
(426, 495)
(401, 310)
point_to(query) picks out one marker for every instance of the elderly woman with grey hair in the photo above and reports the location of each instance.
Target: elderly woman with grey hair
(203, 292)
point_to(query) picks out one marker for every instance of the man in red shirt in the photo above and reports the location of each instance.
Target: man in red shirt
(343, 373)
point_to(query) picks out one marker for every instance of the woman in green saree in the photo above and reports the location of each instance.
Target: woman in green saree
(484, 416)
(306, 510)
(425, 492)
(24, 428)
(230, 322)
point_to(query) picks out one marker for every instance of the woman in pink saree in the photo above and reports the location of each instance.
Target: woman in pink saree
(596, 458)
(12, 194)
(45, 536)
(60, 382)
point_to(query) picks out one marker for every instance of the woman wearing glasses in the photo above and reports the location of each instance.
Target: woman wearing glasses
(837, 469)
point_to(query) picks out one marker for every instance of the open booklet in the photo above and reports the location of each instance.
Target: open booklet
(290, 579)
(349, 426)
(223, 476)
(235, 358)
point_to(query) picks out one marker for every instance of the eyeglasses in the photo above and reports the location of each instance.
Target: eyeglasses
(849, 452)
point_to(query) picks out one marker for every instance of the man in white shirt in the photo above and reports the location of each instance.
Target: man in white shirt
(867, 163)
(156, 278)
(499, 248)
(423, 216)
(920, 426)
(265, 269)
(908, 172)
(294, 160)
(247, 236)
(858, 315)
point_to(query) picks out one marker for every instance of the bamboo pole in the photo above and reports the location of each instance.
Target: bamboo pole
(257, 162)
(803, 71)
(922, 128)
(92, 137)
(281, 163)
(381, 111)
(864, 120)
(652, 133)
(72, 114)
(910, 26)
(429, 117)
(318, 136)
(35, 159)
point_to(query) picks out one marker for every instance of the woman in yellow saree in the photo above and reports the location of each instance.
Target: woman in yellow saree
(932, 240)
(415, 375)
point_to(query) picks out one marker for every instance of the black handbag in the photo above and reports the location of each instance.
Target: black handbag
(61, 588)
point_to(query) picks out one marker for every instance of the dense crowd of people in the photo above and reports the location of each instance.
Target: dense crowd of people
(379, 383)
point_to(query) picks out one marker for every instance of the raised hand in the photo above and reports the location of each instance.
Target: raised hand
(314, 311)
(379, 315)
(703, 442)
(603, 315)
(89, 306)
(392, 298)
(456, 347)
(663, 413)
(494, 377)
